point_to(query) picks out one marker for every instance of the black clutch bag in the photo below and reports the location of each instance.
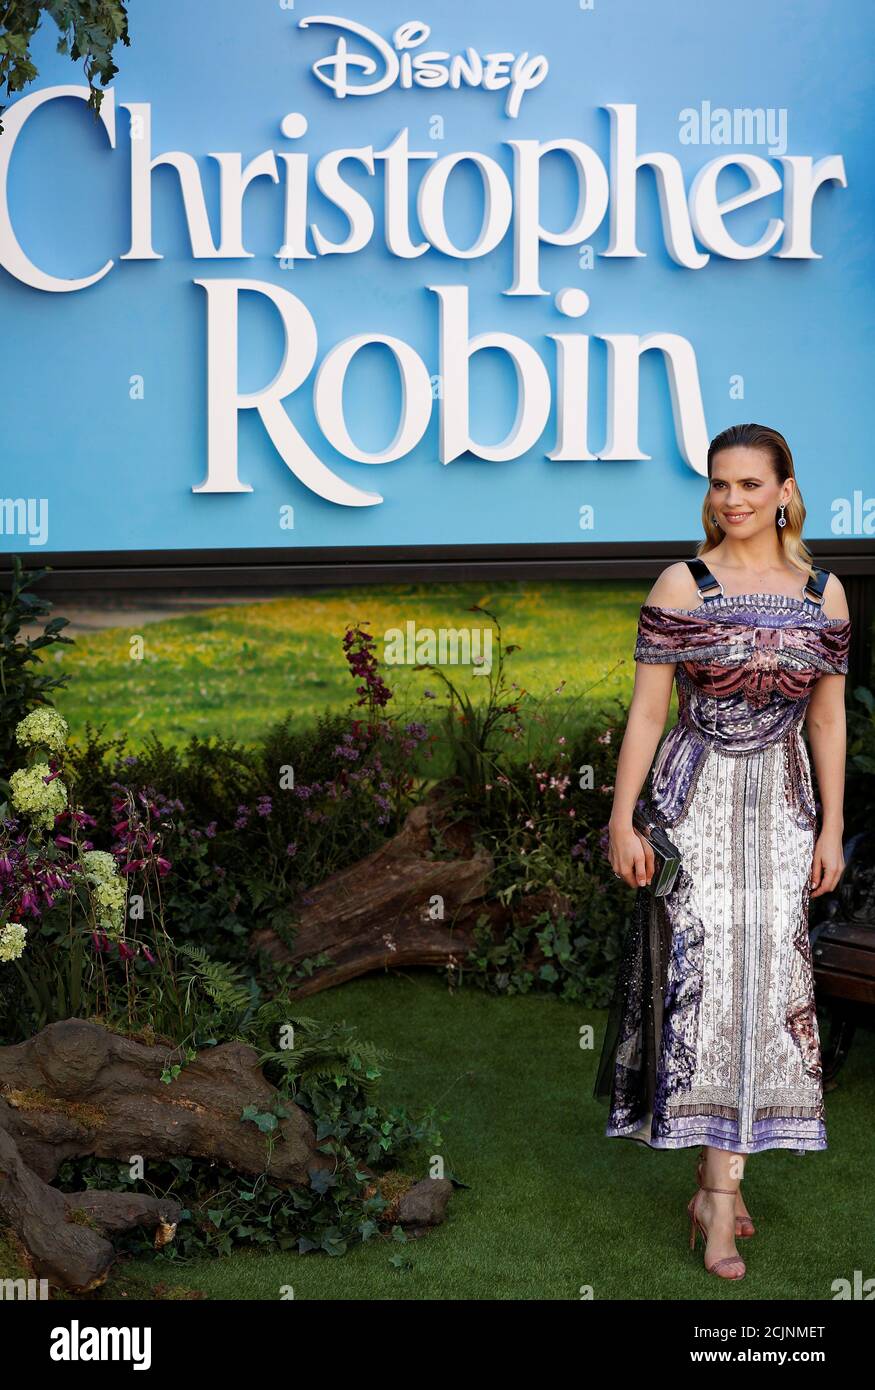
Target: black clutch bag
(667, 855)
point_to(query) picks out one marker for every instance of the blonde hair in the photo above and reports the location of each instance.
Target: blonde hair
(778, 450)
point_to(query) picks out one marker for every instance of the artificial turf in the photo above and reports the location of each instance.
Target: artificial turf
(553, 1208)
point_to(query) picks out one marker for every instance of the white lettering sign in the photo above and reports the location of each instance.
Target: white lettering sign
(510, 189)
(395, 63)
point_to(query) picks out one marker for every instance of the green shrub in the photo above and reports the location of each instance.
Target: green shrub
(22, 684)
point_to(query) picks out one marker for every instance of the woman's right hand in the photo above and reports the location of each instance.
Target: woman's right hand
(630, 854)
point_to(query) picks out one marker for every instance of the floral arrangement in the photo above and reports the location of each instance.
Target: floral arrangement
(68, 918)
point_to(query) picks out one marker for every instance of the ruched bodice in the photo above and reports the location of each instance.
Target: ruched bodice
(746, 665)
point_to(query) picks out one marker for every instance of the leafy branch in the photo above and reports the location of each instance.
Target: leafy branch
(89, 31)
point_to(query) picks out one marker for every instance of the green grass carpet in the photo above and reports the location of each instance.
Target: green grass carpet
(233, 670)
(552, 1205)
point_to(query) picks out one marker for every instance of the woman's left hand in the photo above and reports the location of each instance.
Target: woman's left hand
(828, 863)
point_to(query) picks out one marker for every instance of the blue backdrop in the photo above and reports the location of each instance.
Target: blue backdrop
(118, 470)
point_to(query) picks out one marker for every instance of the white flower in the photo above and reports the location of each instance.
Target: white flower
(36, 796)
(12, 941)
(108, 890)
(100, 863)
(42, 728)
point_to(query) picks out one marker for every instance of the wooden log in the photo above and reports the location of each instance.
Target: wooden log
(379, 913)
(63, 1234)
(77, 1089)
(114, 1212)
(69, 1255)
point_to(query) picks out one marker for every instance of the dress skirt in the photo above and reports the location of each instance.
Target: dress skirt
(722, 968)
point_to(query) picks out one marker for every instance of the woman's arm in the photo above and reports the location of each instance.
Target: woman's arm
(647, 715)
(630, 854)
(825, 721)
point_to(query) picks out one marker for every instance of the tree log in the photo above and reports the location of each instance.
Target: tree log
(377, 914)
(76, 1089)
(63, 1233)
(67, 1254)
(114, 1212)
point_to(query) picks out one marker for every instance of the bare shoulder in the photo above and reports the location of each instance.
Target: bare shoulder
(835, 603)
(675, 588)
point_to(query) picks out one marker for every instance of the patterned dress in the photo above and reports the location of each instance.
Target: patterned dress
(712, 1035)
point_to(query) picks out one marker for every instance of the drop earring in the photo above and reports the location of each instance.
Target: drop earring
(782, 520)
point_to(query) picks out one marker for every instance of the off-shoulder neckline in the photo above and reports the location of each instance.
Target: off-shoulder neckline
(772, 600)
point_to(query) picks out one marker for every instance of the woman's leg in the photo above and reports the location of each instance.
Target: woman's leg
(716, 1210)
(740, 1204)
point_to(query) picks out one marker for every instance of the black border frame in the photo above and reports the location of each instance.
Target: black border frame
(313, 565)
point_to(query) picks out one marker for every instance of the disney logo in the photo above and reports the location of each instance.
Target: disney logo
(396, 63)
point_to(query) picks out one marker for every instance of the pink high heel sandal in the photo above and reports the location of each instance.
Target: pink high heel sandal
(731, 1266)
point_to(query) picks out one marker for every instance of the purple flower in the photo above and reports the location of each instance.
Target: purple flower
(351, 754)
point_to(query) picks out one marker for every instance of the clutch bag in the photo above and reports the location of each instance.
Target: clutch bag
(667, 855)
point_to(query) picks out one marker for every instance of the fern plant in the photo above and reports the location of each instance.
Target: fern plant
(312, 1053)
(233, 995)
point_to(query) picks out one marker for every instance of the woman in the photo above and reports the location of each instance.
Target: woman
(713, 1036)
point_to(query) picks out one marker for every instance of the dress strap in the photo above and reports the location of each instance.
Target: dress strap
(709, 585)
(815, 585)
